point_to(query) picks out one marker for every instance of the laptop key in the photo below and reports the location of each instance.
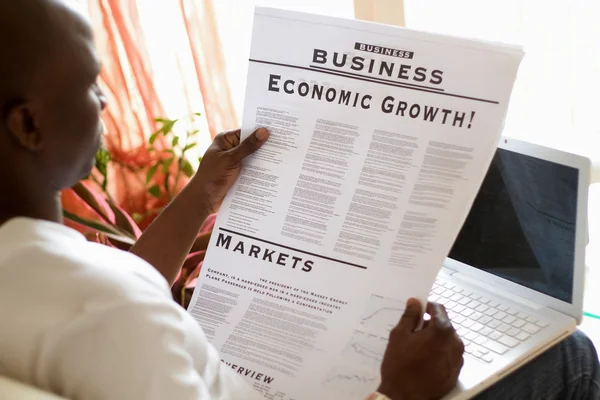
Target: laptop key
(511, 311)
(508, 341)
(456, 297)
(492, 303)
(476, 327)
(542, 324)
(495, 335)
(468, 323)
(531, 319)
(502, 328)
(476, 316)
(462, 331)
(482, 308)
(490, 312)
(480, 340)
(487, 358)
(471, 335)
(486, 331)
(464, 301)
(495, 347)
(522, 315)
(473, 304)
(467, 312)
(500, 315)
(522, 336)
(494, 324)
(502, 308)
(518, 323)
(458, 319)
(512, 331)
(458, 308)
(509, 319)
(530, 328)
(484, 319)
(439, 290)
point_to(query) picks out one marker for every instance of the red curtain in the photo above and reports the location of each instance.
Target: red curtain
(133, 100)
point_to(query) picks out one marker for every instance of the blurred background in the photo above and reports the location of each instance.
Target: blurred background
(178, 58)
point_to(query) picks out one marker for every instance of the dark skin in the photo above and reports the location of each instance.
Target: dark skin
(50, 130)
(425, 363)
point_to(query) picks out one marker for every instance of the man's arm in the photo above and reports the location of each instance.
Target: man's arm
(140, 349)
(168, 240)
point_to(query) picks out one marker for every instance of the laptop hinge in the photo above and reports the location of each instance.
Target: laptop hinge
(494, 289)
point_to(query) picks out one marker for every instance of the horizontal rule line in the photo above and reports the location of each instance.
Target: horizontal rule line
(293, 248)
(374, 80)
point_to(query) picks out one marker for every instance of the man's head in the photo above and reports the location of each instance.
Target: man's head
(50, 103)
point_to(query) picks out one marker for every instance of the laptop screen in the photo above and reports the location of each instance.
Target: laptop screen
(522, 224)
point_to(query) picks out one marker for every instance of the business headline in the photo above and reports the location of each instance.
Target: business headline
(401, 73)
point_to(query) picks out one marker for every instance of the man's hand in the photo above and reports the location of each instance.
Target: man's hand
(220, 164)
(167, 241)
(422, 364)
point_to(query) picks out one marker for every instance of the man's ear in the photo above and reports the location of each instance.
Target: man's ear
(22, 126)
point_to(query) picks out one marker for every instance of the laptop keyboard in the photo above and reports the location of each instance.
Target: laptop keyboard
(487, 328)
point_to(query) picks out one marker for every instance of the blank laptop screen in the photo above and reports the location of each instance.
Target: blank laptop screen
(522, 224)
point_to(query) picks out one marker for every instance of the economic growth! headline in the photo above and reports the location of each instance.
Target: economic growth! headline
(403, 75)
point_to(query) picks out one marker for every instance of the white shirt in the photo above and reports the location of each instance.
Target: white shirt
(90, 322)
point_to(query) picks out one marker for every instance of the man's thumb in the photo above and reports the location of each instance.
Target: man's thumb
(412, 316)
(251, 143)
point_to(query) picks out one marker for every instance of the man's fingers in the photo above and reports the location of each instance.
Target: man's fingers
(251, 144)
(412, 316)
(439, 316)
(229, 139)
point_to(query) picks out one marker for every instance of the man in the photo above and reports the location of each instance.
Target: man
(89, 322)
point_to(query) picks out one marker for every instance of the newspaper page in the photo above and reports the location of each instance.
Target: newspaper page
(380, 139)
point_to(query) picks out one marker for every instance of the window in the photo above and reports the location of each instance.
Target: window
(556, 97)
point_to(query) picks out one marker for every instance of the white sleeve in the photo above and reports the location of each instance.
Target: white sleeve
(132, 351)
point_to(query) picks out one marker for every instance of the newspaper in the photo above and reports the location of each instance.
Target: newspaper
(380, 139)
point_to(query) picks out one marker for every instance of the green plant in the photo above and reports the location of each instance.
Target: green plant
(90, 208)
(176, 155)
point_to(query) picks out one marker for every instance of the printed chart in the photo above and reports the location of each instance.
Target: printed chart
(365, 349)
(382, 314)
(354, 383)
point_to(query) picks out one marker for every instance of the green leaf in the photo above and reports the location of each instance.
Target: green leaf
(175, 141)
(189, 146)
(100, 227)
(193, 133)
(160, 120)
(186, 167)
(168, 126)
(198, 114)
(137, 217)
(154, 191)
(151, 173)
(199, 160)
(154, 136)
(170, 151)
(166, 182)
(167, 164)
(151, 148)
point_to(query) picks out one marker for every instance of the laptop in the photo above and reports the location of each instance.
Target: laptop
(513, 281)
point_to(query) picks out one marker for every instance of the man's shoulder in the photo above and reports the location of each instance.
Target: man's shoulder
(81, 269)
